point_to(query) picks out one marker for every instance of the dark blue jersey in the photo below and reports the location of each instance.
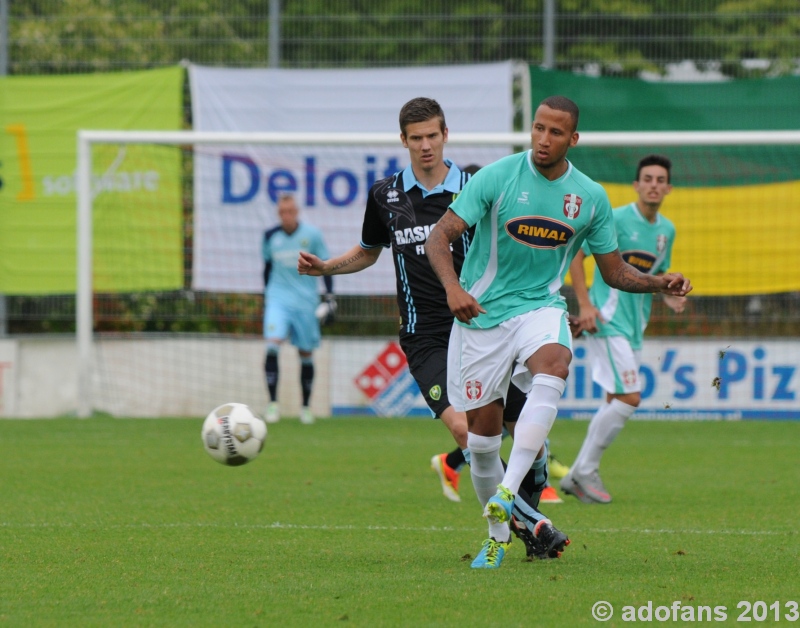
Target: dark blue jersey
(400, 214)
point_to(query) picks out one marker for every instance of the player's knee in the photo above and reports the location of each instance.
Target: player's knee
(632, 399)
(273, 346)
(549, 381)
(478, 444)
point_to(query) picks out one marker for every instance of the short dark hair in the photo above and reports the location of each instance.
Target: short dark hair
(562, 103)
(421, 110)
(654, 160)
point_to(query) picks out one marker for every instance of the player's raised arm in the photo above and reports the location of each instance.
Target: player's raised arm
(463, 306)
(355, 260)
(622, 276)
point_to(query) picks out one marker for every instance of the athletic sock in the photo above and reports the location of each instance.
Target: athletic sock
(607, 422)
(271, 370)
(533, 426)
(455, 459)
(486, 469)
(306, 378)
(535, 479)
(526, 509)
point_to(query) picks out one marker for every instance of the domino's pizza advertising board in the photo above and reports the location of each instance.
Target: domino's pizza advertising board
(388, 384)
(682, 379)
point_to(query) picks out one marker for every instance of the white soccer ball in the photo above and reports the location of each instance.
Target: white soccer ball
(233, 435)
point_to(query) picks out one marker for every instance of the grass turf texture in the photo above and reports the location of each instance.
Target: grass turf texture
(128, 522)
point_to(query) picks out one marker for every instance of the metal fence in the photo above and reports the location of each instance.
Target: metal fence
(673, 38)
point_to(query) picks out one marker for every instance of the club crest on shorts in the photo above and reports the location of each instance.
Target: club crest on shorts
(435, 392)
(474, 389)
(572, 206)
(629, 378)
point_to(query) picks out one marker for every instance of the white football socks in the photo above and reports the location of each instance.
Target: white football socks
(486, 470)
(533, 426)
(607, 422)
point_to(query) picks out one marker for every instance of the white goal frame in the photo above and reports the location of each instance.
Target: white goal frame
(87, 138)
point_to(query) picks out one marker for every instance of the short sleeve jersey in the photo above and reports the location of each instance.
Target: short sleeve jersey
(527, 230)
(647, 246)
(282, 249)
(400, 214)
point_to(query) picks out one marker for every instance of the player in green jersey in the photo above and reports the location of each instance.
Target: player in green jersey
(531, 212)
(615, 321)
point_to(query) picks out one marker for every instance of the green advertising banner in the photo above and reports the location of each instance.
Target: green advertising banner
(137, 189)
(736, 208)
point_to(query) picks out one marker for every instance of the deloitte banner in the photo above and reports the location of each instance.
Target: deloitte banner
(236, 187)
(681, 379)
(137, 204)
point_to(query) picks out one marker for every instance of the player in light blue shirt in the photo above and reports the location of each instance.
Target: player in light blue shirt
(615, 321)
(291, 301)
(531, 212)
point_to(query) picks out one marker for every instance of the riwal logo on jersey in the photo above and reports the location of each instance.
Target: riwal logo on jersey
(539, 232)
(640, 260)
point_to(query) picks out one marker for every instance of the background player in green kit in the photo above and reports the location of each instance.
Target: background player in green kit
(531, 212)
(615, 321)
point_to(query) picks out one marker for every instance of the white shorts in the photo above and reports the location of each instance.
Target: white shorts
(482, 362)
(615, 365)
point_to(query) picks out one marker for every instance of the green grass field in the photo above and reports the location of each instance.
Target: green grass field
(129, 523)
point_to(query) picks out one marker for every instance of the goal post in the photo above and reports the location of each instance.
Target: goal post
(87, 140)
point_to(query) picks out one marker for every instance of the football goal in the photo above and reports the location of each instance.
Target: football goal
(169, 228)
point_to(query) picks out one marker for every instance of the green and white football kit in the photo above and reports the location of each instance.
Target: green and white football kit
(615, 350)
(527, 231)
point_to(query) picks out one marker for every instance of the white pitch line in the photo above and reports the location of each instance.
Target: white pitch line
(277, 525)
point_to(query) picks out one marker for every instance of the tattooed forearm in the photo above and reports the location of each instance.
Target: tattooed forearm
(625, 277)
(347, 262)
(437, 248)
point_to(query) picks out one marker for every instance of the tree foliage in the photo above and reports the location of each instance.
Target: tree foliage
(621, 37)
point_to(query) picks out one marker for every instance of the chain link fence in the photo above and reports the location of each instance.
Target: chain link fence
(673, 38)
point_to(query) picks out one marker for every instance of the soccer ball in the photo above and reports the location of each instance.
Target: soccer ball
(233, 435)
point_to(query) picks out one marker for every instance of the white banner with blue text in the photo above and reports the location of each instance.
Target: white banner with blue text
(682, 379)
(236, 186)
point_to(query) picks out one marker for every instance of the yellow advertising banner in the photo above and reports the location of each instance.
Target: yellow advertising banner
(732, 240)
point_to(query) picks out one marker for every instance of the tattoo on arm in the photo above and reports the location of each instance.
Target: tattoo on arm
(622, 276)
(625, 277)
(451, 225)
(346, 262)
(437, 249)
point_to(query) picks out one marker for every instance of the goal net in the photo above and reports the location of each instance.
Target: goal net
(170, 288)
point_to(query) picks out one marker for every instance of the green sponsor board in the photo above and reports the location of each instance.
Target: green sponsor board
(622, 104)
(137, 226)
